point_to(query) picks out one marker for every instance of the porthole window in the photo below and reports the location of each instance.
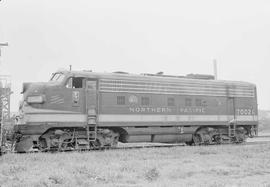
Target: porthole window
(198, 102)
(145, 101)
(121, 100)
(204, 103)
(188, 102)
(171, 101)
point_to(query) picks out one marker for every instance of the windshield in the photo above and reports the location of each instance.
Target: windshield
(57, 77)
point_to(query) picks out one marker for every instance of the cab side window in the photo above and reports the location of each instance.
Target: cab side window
(75, 82)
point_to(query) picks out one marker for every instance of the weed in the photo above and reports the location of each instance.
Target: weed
(207, 153)
(56, 179)
(187, 166)
(151, 174)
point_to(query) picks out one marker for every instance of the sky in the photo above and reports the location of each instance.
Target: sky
(143, 36)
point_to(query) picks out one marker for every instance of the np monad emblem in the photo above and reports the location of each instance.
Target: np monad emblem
(133, 99)
(75, 96)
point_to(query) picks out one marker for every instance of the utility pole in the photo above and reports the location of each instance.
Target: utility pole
(5, 92)
(3, 45)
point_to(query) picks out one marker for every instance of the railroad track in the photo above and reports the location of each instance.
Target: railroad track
(130, 146)
(250, 141)
(138, 146)
(165, 145)
(147, 145)
(264, 136)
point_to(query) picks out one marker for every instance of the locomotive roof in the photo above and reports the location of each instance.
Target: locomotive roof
(142, 77)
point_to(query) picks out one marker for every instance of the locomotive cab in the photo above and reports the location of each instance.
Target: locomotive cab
(67, 100)
(64, 91)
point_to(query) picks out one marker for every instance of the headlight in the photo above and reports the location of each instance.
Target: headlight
(35, 99)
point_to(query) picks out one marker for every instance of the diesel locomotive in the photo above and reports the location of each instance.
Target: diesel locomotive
(78, 110)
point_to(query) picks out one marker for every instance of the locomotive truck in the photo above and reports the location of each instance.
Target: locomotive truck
(80, 110)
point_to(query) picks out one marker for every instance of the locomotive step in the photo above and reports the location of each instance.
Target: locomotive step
(82, 144)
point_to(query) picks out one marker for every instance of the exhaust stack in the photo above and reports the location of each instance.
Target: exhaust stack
(215, 68)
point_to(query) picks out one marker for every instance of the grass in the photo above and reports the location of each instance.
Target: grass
(228, 165)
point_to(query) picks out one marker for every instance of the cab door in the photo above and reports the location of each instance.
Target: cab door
(74, 94)
(231, 109)
(91, 101)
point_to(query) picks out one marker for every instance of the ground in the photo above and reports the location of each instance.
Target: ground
(223, 165)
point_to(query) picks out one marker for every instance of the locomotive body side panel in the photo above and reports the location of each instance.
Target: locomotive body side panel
(145, 102)
(187, 102)
(214, 111)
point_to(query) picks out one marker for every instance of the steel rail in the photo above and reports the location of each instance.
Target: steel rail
(126, 146)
